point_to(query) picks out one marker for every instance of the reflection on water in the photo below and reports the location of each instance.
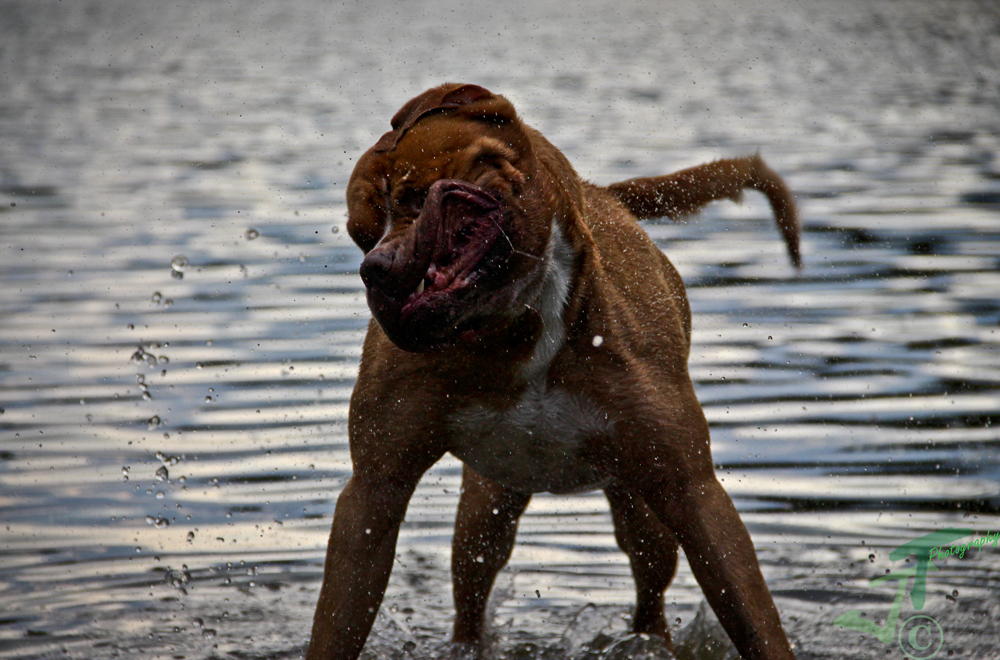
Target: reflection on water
(180, 328)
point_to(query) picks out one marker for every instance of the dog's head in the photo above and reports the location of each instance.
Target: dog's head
(454, 210)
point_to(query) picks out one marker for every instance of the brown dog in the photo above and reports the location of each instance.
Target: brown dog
(525, 323)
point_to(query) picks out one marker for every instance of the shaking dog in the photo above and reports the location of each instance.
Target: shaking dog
(525, 323)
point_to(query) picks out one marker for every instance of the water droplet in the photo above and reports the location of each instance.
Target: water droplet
(160, 495)
(156, 522)
(208, 633)
(153, 422)
(190, 537)
(336, 229)
(597, 341)
(162, 473)
(157, 297)
(177, 275)
(179, 263)
(677, 621)
(251, 234)
(871, 558)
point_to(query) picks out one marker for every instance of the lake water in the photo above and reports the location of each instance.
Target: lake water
(181, 317)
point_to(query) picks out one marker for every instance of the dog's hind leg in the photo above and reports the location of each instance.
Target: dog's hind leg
(652, 552)
(485, 530)
(670, 468)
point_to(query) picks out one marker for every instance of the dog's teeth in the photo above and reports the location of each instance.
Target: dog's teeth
(420, 287)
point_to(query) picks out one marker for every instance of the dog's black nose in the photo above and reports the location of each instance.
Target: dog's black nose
(376, 269)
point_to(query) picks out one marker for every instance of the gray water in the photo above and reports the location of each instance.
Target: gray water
(172, 439)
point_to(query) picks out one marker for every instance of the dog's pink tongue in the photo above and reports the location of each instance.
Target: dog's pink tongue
(437, 278)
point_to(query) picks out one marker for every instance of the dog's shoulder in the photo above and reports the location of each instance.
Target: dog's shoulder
(633, 271)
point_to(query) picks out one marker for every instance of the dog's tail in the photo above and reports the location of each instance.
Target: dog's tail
(685, 192)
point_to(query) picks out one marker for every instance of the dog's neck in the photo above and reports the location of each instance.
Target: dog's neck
(551, 302)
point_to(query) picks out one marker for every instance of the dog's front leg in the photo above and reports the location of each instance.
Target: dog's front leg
(358, 562)
(485, 529)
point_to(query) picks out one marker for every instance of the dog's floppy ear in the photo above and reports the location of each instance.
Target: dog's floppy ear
(367, 193)
(464, 95)
(446, 97)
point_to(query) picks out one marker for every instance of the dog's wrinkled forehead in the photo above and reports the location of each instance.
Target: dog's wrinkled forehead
(476, 123)
(439, 98)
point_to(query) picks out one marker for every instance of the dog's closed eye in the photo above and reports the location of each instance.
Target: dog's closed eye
(410, 201)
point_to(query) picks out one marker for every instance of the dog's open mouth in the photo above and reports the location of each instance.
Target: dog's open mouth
(469, 220)
(423, 284)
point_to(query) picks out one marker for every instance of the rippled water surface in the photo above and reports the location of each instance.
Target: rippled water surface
(181, 329)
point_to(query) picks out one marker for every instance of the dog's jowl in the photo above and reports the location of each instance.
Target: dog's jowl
(524, 322)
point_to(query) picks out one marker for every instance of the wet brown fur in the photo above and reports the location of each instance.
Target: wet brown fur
(657, 466)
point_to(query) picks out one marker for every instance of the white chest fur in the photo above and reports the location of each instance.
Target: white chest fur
(535, 445)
